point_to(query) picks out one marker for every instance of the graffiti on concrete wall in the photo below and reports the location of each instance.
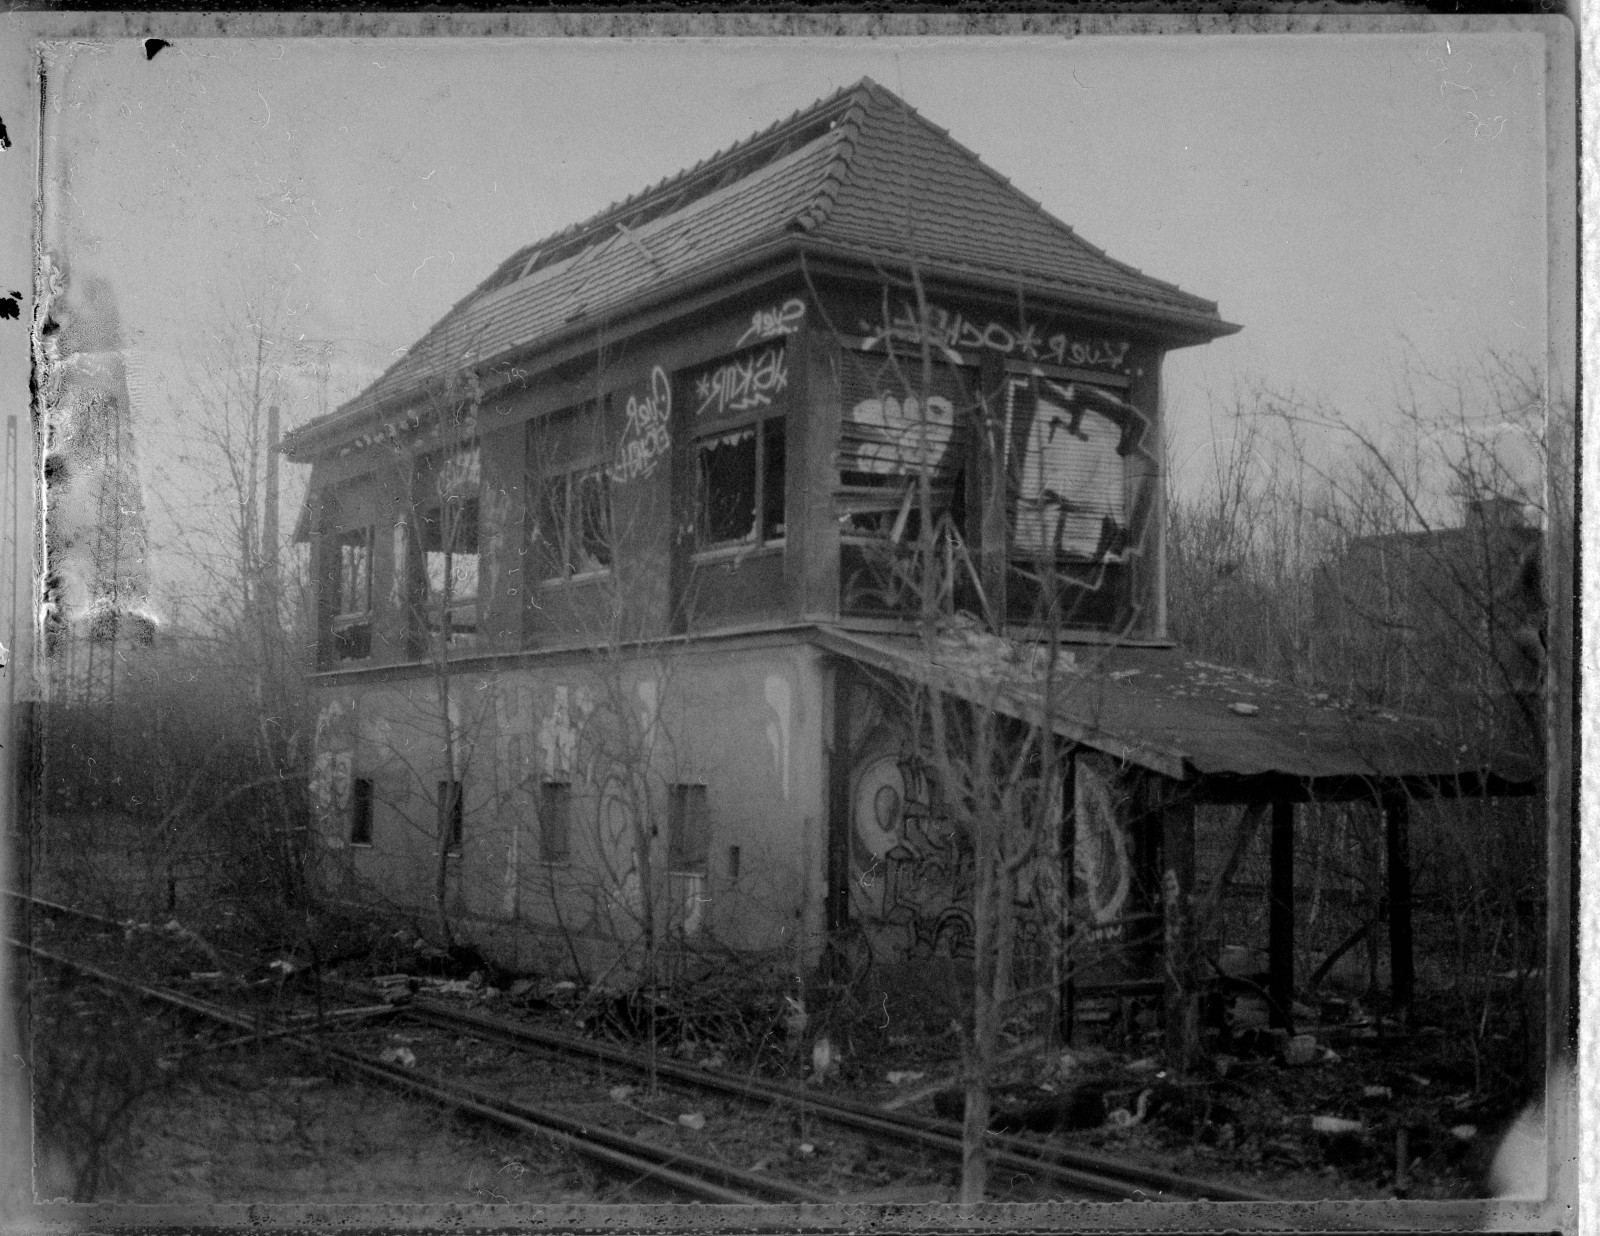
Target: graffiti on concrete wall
(1102, 855)
(742, 384)
(646, 438)
(772, 323)
(949, 331)
(911, 871)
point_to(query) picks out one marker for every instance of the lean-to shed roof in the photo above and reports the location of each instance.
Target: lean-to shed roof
(1191, 720)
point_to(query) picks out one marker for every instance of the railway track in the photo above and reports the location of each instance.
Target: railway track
(1095, 1175)
(1088, 1176)
(701, 1178)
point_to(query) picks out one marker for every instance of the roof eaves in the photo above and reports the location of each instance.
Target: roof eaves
(306, 441)
(1205, 322)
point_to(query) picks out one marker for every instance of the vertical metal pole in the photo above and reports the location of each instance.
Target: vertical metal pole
(14, 520)
(1181, 997)
(1397, 835)
(1280, 918)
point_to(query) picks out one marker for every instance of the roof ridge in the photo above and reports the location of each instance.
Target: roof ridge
(838, 169)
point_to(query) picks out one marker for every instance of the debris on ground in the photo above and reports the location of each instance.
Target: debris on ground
(402, 1056)
(692, 1120)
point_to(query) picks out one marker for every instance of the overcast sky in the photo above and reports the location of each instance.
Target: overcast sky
(1343, 198)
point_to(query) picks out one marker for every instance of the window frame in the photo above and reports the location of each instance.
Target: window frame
(554, 558)
(361, 812)
(688, 802)
(550, 793)
(426, 603)
(760, 426)
(351, 624)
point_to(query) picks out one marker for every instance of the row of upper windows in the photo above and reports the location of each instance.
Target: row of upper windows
(1066, 457)
(739, 500)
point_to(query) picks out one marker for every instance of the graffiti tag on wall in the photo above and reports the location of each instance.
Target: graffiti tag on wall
(1100, 851)
(645, 436)
(742, 384)
(911, 870)
(772, 323)
(949, 331)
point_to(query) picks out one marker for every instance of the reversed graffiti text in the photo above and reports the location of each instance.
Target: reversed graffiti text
(645, 437)
(949, 331)
(742, 384)
(771, 323)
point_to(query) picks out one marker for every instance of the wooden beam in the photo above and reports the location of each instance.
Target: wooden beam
(1397, 836)
(1280, 919)
(1180, 995)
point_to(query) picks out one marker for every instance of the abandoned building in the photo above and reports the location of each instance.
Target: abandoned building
(617, 570)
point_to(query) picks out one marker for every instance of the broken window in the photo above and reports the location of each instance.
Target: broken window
(688, 830)
(352, 619)
(361, 811)
(899, 423)
(1068, 443)
(574, 527)
(741, 486)
(448, 552)
(555, 822)
(735, 406)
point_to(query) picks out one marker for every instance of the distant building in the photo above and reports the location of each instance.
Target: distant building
(1447, 622)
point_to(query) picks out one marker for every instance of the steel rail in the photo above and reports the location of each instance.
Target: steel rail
(705, 1179)
(1091, 1173)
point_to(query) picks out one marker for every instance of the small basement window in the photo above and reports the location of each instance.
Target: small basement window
(352, 619)
(688, 830)
(450, 808)
(741, 486)
(361, 811)
(575, 523)
(449, 550)
(555, 822)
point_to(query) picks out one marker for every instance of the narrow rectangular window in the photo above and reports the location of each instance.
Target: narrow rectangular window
(733, 862)
(574, 527)
(352, 617)
(555, 822)
(728, 481)
(449, 548)
(361, 811)
(450, 805)
(741, 485)
(688, 829)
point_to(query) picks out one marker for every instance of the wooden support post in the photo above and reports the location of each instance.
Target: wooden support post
(838, 831)
(1066, 995)
(1280, 918)
(1397, 831)
(1181, 997)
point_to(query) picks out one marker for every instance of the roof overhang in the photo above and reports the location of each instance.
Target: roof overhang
(786, 255)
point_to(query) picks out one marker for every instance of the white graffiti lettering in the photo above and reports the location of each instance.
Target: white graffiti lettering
(771, 323)
(949, 332)
(645, 437)
(742, 384)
